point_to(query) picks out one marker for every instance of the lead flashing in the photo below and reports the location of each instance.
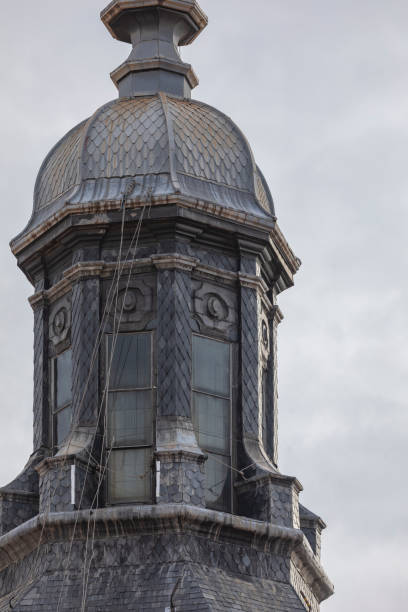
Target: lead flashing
(21, 541)
(188, 7)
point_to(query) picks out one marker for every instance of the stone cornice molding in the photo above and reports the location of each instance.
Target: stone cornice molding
(284, 249)
(265, 479)
(174, 262)
(251, 281)
(168, 261)
(101, 207)
(58, 462)
(128, 520)
(180, 454)
(211, 272)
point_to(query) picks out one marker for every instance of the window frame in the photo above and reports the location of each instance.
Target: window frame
(231, 400)
(54, 393)
(109, 449)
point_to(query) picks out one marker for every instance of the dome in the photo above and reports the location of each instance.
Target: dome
(166, 145)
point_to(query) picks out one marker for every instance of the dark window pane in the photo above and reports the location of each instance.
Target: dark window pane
(211, 366)
(63, 379)
(131, 363)
(211, 421)
(218, 478)
(129, 475)
(130, 418)
(63, 424)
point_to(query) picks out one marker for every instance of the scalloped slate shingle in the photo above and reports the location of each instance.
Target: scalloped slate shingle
(190, 588)
(167, 144)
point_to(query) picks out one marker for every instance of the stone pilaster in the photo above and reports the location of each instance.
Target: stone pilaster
(66, 483)
(174, 294)
(180, 476)
(42, 434)
(85, 325)
(251, 376)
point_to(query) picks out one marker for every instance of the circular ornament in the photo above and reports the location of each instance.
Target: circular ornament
(128, 301)
(59, 323)
(216, 308)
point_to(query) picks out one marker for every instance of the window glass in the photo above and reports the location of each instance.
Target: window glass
(63, 379)
(217, 472)
(212, 416)
(129, 475)
(131, 363)
(211, 370)
(130, 418)
(63, 424)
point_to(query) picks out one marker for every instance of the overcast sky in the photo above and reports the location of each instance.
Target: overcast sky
(320, 89)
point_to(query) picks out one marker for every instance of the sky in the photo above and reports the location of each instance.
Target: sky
(319, 88)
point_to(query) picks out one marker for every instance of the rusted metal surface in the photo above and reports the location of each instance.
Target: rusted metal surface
(60, 170)
(167, 145)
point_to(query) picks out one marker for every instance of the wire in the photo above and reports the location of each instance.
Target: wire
(120, 270)
(115, 337)
(116, 330)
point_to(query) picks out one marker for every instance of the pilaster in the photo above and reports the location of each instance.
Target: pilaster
(174, 295)
(66, 483)
(41, 371)
(85, 374)
(180, 476)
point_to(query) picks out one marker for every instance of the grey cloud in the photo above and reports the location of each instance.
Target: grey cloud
(320, 90)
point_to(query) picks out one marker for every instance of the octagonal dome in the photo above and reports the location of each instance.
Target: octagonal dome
(167, 146)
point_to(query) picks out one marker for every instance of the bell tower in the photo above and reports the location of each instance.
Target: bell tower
(156, 263)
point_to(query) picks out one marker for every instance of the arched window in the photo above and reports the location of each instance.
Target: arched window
(212, 416)
(129, 417)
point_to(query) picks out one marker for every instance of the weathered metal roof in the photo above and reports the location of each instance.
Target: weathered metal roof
(166, 145)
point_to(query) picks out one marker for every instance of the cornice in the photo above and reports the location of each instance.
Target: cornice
(174, 262)
(251, 281)
(167, 261)
(19, 543)
(101, 207)
(82, 271)
(154, 64)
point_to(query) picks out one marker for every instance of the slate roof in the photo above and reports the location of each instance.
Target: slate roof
(167, 145)
(190, 588)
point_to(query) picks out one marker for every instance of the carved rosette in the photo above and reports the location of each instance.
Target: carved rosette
(135, 304)
(215, 307)
(60, 320)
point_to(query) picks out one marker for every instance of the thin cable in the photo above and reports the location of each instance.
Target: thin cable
(103, 471)
(137, 233)
(119, 267)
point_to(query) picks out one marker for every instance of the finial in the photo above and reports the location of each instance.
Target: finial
(155, 28)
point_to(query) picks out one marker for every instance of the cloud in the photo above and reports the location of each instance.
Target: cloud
(320, 90)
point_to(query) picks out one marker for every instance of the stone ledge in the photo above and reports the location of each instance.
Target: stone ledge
(127, 520)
